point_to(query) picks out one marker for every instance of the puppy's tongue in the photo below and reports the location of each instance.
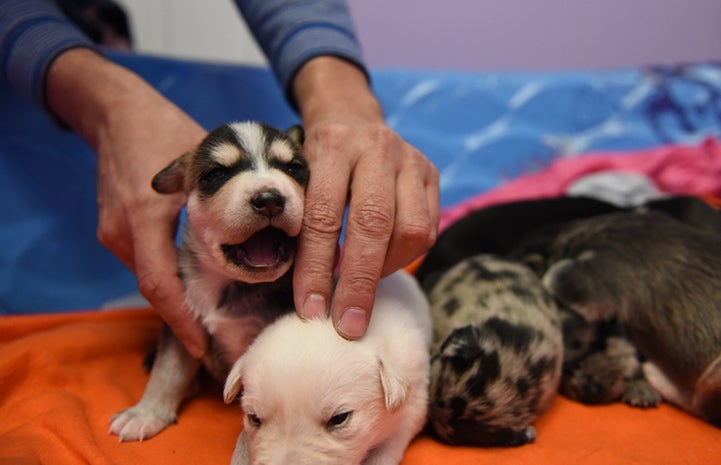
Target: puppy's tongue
(264, 248)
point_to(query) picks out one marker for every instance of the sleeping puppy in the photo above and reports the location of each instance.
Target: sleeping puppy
(498, 229)
(496, 354)
(659, 278)
(245, 184)
(601, 365)
(311, 397)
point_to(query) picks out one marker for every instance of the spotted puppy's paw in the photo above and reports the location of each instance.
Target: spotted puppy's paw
(139, 423)
(641, 394)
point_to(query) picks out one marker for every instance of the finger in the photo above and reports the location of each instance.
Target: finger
(156, 267)
(368, 231)
(326, 196)
(417, 214)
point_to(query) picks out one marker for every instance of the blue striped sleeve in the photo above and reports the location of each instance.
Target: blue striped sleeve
(291, 32)
(32, 34)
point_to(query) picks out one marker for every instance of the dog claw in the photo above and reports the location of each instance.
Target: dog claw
(138, 424)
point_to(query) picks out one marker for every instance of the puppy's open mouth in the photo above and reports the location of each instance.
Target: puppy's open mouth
(266, 248)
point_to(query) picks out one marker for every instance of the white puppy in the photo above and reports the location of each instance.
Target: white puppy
(311, 397)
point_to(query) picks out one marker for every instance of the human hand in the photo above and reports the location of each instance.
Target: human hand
(135, 132)
(390, 187)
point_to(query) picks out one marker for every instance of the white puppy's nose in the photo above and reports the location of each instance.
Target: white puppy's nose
(268, 202)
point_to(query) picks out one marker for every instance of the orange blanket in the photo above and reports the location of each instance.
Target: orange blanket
(63, 376)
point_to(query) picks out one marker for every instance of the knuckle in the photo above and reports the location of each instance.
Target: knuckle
(106, 234)
(321, 218)
(361, 284)
(418, 235)
(384, 140)
(332, 133)
(150, 285)
(384, 134)
(431, 239)
(372, 219)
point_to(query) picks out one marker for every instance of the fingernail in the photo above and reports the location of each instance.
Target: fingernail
(353, 323)
(314, 306)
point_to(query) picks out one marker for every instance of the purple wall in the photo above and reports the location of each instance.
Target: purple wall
(537, 34)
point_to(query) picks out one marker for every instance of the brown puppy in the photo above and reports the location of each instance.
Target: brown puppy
(245, 184)
(660, 279)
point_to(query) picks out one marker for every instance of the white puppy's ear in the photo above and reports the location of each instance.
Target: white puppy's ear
(234, 381)
(171, 179)
(395, 387)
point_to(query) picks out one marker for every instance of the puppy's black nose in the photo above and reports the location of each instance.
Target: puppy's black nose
(269, 203)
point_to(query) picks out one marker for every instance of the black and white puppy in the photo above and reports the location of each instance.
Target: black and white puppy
(245, 184)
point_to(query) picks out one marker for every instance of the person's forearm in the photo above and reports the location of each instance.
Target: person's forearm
(327, 87)
(85, 90)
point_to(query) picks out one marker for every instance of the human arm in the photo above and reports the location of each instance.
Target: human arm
(394, 206)
(133, 130)
(391, 189)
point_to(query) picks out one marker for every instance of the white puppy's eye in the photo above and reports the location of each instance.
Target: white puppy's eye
(253, 420)
(338, 420)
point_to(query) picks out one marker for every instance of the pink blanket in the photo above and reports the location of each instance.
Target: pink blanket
(694, 170)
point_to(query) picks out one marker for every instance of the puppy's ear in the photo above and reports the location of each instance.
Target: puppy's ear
(296, 134)
(234, 381)
(395, 387)
(462, 346)
(171, 179)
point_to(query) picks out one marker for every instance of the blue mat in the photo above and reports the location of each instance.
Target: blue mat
(480, 129)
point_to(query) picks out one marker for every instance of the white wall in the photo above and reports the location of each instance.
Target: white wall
(208, 30)
(462, 34)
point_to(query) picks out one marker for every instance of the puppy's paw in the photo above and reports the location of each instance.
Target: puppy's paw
(139, 423)
(525, 436)
(641, 394)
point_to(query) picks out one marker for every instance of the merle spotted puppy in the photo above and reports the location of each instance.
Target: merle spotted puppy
(496, 354)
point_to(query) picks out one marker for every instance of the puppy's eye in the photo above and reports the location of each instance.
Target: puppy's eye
(297, 169)
(295, 165)
(211, 180)
(338, 420)
(254, 420)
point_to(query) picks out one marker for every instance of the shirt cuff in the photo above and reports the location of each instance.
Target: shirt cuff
(29, 49)
(309, 41)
